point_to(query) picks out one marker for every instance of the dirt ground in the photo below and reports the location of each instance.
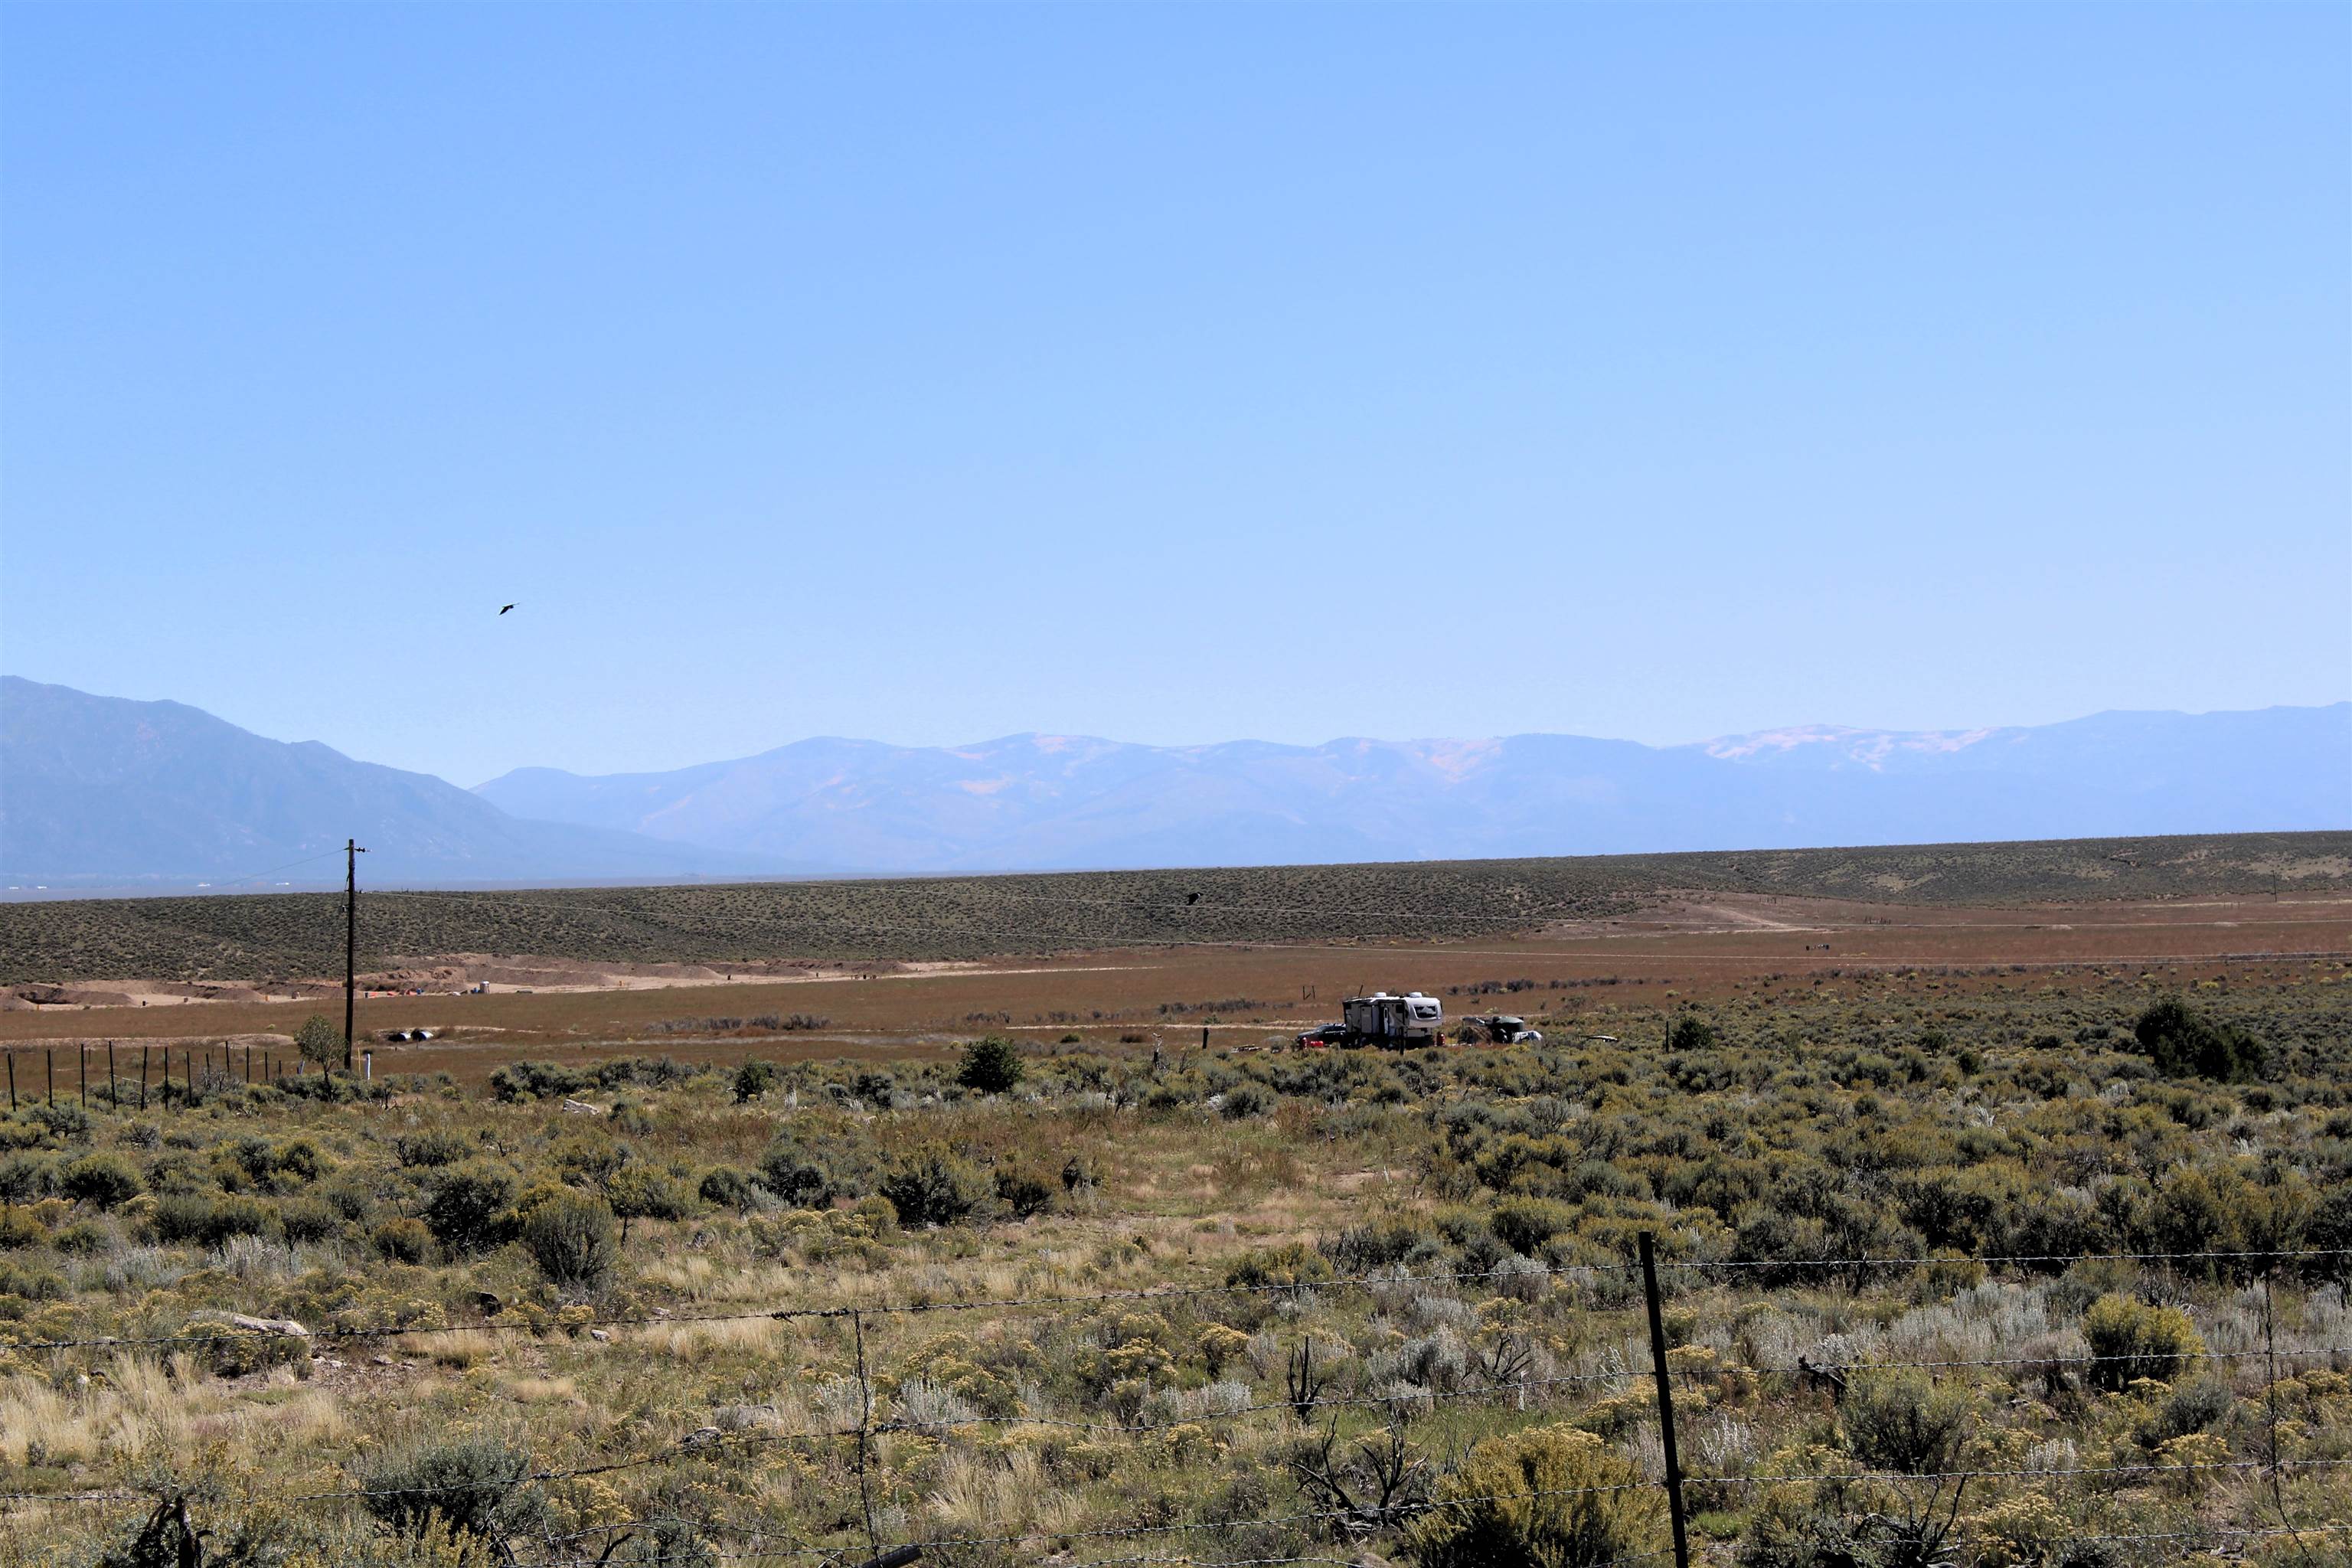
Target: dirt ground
(1586, 974)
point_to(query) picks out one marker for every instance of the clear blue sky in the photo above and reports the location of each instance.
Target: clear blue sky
(1183, 374)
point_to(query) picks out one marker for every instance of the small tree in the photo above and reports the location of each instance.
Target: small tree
(992, 1066)
(319, 1041)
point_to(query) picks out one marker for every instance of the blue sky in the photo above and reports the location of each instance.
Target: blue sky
(1173, 374)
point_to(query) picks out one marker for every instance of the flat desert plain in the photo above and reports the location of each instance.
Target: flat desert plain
(1600, 976)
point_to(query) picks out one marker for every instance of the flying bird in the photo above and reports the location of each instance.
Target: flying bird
(503, 609)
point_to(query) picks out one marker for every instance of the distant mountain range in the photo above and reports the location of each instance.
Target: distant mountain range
(101, 789)
(1049, 803)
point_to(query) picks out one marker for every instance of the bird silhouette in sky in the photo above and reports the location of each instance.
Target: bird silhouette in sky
(503, 610)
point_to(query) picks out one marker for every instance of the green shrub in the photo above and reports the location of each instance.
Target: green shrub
(637, 1193)
(519, 1081)
(1690, 1033)
(32, 1283)
(249, 1160)
(874, 1089)
(26, 1177)
(2183, 1044)
(404, 1240)
(1244, 1100)
(1523, 1499)
(725, 1187)
(101, 1180)
(64, 1120)
(308, 1219)
(19, 1229)
(1024, 1192)
(468, 1211)
(589, 1159)
(232, 1352)
(429, 1150)
(1523, 1225)
(1276, 1269)
(1904, 1421)
(182, 1217)
(477, 1484)
(753, 1080)
(1361, 1248)
(800, 1178)
(932, 1186)
(83, 1239)
(2193, 1405)
(349, 1196)
(990, 1065)
(571, 1237)
(2132, 1339)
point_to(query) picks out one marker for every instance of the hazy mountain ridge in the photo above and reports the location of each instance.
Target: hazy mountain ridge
(1044, 802)
(105, 789)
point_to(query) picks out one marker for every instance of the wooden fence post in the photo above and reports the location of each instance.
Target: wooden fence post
(1665, 1400)
(113, 1097)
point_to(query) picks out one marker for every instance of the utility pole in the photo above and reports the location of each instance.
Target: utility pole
(351, 853)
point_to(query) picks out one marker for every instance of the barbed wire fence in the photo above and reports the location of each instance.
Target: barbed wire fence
(1352, 1525)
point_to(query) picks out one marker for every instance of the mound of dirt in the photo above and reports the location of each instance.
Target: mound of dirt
(67, 996)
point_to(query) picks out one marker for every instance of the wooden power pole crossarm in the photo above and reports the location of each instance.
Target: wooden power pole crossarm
(351, 853)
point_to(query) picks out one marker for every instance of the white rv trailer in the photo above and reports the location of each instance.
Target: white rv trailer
(1395, 1022)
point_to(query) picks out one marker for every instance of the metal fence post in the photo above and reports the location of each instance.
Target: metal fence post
(1665, 1400)
(865, 1428)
